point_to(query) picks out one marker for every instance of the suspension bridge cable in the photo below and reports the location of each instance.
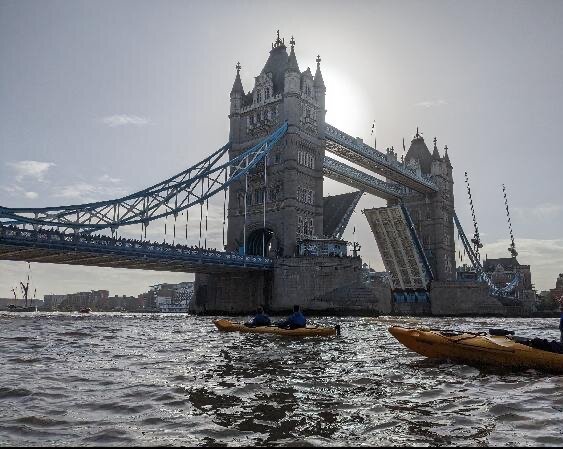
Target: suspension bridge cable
(206, 214)
(175, 219)
(512, 249)
(245, 201)
(187, 218)
(206, 218)
(264, 199)
(133, 209)
(200, 215)
(476, 238)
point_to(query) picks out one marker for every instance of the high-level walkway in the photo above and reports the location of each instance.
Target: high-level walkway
(357, 152)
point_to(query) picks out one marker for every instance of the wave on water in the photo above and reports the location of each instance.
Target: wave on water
(133, 379)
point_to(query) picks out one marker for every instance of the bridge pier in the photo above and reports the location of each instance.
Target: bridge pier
(324, 285)
(231, 293)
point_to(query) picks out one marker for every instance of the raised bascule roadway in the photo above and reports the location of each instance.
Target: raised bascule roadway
(270, 178)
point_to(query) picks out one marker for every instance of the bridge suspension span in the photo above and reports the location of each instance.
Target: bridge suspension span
(190, 187)
(476, 262)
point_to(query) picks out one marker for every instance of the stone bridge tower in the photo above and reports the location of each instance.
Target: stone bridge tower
(292, 187)
(432, 215)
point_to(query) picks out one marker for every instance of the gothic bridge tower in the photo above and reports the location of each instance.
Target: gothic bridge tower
(284, 203)
(432, 215)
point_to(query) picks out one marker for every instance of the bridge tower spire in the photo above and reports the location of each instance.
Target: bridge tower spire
(237, 94)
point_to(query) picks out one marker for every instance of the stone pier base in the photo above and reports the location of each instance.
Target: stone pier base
(464, 299)
(231, 293)
(328, 285)
(334, 286)
(324, 285)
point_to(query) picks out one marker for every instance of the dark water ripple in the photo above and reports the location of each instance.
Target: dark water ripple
(119, 379)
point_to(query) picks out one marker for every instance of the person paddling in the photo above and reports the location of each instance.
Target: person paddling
(260, 319)
(295, 320)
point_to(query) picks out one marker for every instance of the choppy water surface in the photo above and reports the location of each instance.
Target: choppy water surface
(118, 379)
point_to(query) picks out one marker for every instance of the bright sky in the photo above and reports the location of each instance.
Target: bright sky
(103, 98)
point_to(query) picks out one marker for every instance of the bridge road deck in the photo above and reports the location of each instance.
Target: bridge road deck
(59, 248)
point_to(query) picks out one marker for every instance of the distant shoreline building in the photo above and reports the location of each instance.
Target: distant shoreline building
(160, 298)
(169, 298)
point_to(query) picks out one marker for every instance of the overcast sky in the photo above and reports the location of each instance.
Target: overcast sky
(103, 98)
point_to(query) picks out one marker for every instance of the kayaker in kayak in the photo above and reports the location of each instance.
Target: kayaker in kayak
(260, 319)
(295, 320)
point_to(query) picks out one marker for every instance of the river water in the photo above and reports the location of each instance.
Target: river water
(167, 379)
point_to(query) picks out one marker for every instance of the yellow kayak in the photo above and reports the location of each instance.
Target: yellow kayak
(309, 331)
(470, 348)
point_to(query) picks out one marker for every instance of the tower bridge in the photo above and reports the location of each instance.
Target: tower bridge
(270, 175)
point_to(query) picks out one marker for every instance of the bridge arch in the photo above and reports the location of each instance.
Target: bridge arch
(261, 241)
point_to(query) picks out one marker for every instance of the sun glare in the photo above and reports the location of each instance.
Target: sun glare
(344, 104)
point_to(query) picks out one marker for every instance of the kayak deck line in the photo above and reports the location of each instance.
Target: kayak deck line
(311, 330)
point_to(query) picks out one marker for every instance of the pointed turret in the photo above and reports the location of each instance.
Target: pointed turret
(237, 85)
(320, 93)
(446, 157)
(237, 95)
(277, 64)
(307, 73)
(292, 65)
(419, 151)
(292, 73)
(237, 92)
(435, 153)
(319, 82)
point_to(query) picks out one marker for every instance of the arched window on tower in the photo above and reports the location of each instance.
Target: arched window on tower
(258, 96)
(267, 93)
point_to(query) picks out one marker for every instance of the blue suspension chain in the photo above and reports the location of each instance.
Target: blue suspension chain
(245, 202)
(476, 240)
(200, 214)
(206, 215)
(175, 218)
(512, 249)
(187, 218)
(264, 217)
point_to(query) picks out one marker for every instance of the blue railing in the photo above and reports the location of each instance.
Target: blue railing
(55, 240)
